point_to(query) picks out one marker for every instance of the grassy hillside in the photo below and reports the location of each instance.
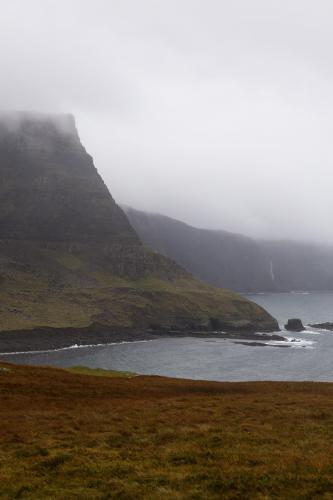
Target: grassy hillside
(66, 435)
(54, 287)
(68, 254)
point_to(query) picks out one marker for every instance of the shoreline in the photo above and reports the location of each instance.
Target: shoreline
(51, 339)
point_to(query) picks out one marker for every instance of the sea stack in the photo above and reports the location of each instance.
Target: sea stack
(294, 325)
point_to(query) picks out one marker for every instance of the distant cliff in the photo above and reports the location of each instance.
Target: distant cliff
(69, 256)
(235, 261)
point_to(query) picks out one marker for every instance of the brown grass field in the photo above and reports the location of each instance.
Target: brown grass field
(67, 435)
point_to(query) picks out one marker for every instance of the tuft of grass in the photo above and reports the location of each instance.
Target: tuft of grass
(69, 261)
(55, 461)
(4, 370)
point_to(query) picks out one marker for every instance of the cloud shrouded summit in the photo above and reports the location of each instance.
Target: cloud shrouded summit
(217, 113)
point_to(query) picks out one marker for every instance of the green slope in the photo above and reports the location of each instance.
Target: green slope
(68, 255)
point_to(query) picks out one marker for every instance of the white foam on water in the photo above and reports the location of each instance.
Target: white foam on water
(262, 334)
(312, 332)
(326, 330)
(295, 342)
(74, 346)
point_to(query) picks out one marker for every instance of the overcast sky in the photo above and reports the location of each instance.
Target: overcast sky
(218, 113)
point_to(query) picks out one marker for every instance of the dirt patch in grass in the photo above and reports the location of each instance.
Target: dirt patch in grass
(69, 435)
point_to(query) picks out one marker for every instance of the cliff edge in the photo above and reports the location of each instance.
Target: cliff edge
(69, 256)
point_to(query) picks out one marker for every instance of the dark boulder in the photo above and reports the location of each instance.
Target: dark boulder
(294, 325)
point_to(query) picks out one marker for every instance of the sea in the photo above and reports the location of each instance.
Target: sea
(304, 356)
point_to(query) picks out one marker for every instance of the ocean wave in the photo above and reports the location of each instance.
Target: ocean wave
(296, 342)
(74, 346)
(312, 332)
(291, 342)
(319, 330)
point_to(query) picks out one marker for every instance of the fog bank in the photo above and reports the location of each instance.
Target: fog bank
(217, 113)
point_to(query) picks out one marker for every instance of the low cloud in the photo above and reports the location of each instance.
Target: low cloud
(217, 113)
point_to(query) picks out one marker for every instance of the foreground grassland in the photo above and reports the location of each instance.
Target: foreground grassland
(70, 435)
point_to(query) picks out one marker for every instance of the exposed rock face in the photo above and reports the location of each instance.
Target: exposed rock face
(294, 325)
(217, 257)
(235, 261)
(50, 189)
(52, 195)
(68, 254)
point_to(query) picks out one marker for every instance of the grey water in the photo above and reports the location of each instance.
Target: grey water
(305, 356)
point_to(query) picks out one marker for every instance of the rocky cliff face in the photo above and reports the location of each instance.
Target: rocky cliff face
(53, 200)
(299, 266)
(68, 254)
(235, 261)
(50, 189)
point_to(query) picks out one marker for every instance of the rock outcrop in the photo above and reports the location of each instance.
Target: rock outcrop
(323, 326)
(294, 325)
(69, 256)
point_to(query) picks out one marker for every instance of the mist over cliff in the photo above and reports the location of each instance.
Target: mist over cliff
(70, 258)
(217, 113)
(235, 261)
(50, 189)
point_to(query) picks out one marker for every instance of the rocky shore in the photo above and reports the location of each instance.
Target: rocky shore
(323, 326)
(46, 338)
